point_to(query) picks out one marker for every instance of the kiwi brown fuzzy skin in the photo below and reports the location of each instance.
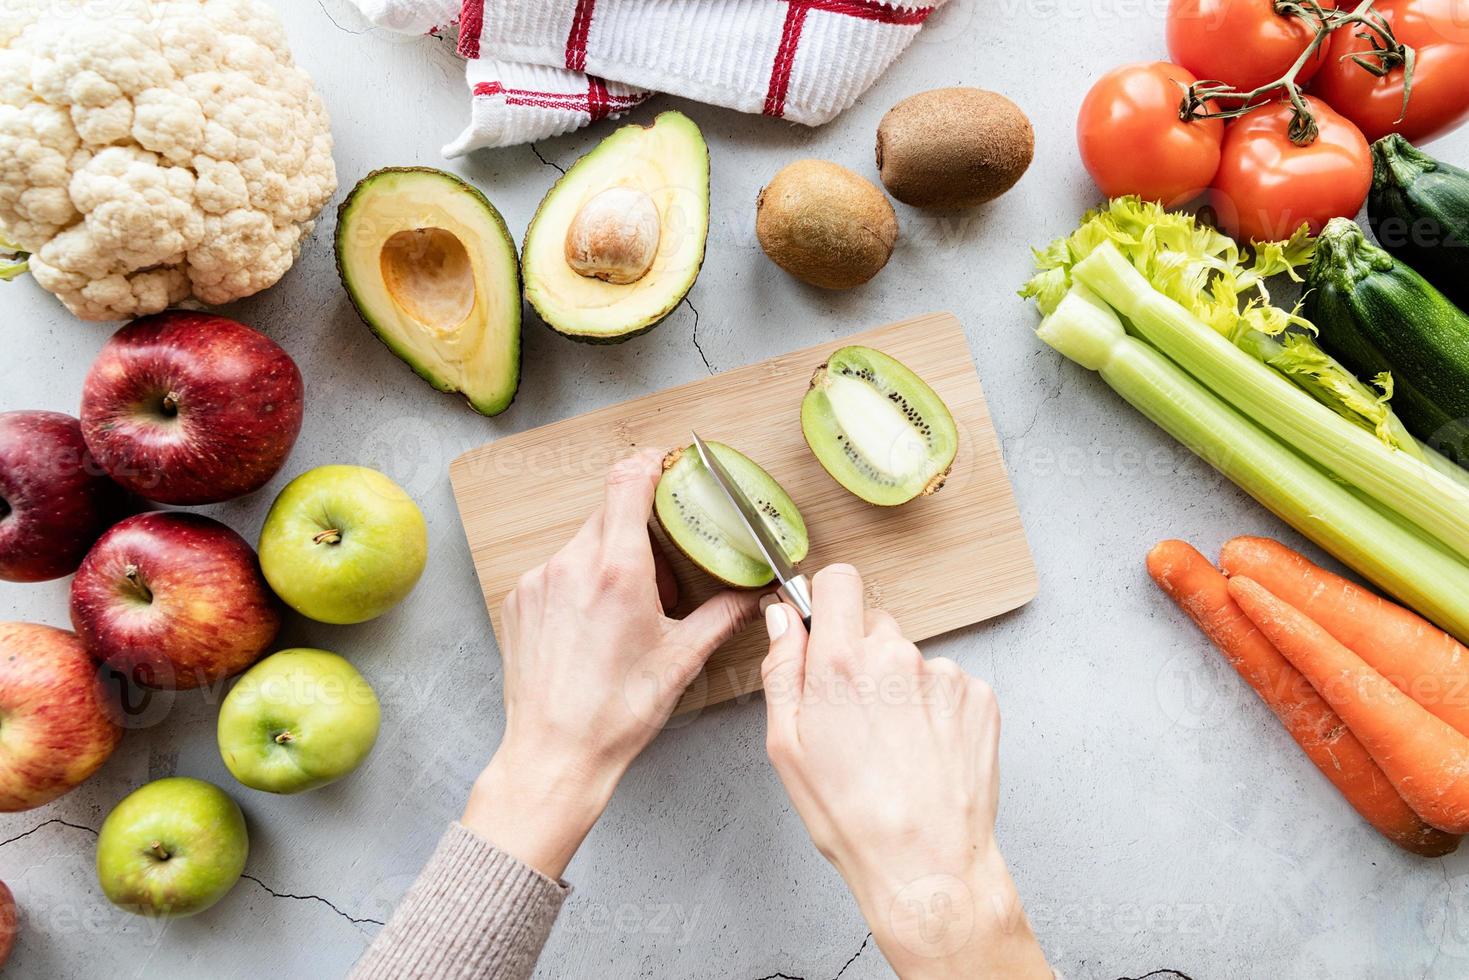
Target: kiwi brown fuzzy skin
(937, 483)
(825, 225)
(953, 147)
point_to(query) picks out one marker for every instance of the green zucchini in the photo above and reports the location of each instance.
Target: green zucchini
(1419, 211)
(1376, 314)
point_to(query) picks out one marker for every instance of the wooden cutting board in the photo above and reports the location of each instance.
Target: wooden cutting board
(937, 563)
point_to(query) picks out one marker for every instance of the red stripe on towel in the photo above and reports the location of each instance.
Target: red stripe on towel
(576, 40)
(785, 57)
(870, 10)
(471, 23)
(598, 105)
(603, 104)
(790, 37)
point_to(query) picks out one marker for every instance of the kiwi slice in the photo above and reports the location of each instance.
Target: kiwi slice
(701, 521)
(879, 430)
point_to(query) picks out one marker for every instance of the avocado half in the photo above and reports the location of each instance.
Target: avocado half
(667, 160)
(431, 268)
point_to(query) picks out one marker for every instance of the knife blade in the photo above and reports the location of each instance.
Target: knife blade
(794, 587)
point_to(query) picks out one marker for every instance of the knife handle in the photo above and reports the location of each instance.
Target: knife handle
(797, 592)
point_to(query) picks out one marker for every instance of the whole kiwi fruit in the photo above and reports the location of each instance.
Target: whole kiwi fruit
(825, 225)
(953, 147)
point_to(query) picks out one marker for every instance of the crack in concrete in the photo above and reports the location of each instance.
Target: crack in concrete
(58, 822)
(43, 826)
(866, 940)
(1165, 972)
(537, 151)
(336, 23)
(1051, 396)
(853, 958)
(702, 356)
(312, 898)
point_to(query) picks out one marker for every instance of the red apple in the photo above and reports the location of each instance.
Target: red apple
(57, 722)
(54, 499)
(191, 408)
(9, 922)
(173, 600)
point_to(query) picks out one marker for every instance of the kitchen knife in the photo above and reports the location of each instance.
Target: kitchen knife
(795, 588)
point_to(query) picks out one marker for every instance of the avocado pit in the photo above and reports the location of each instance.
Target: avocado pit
(614, 237)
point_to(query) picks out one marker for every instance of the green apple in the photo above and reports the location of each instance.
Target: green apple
(297, 720)
(343, 544)
(172, 847)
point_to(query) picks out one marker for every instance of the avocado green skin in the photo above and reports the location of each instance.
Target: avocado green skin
(426, 374)
(1376, 314)
(607, 340)
(1419, 211)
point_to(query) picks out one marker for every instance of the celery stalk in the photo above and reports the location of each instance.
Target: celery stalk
(1382, 548)
(1207, 273)
(1395, 479)
(1327, 380)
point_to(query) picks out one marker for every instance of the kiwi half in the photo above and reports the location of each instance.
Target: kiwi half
(704, 525)
(877, 428)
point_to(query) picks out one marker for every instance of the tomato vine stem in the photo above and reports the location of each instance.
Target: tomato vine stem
(1387, 54)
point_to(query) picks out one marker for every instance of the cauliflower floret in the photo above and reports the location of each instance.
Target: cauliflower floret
(155, 151)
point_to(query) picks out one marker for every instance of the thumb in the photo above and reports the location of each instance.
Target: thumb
(720, 617)
(784, 670)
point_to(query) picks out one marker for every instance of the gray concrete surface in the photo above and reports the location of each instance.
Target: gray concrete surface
(1154, 814)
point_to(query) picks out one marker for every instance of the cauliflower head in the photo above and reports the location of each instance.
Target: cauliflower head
(153, 151)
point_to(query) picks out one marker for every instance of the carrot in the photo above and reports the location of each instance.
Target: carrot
(1421, 660)
(1426, 760)
(1203, 593)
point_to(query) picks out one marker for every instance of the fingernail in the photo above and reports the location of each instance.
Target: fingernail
(775, 621)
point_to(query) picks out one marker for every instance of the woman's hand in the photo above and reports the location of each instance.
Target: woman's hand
(891, 761)
(593, 669)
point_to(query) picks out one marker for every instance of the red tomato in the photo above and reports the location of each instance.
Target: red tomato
(1267, 185)
(1439, 31)
(1133, 142)
(1243, 43)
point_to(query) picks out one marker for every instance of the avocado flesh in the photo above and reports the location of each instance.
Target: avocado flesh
(669, 162)
(432, 270)
(878, 428)
(705, 526)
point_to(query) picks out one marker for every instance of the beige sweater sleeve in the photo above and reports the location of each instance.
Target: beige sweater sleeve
(474, 911)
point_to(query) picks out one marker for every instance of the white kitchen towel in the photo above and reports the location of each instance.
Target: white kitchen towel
(539, 68)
